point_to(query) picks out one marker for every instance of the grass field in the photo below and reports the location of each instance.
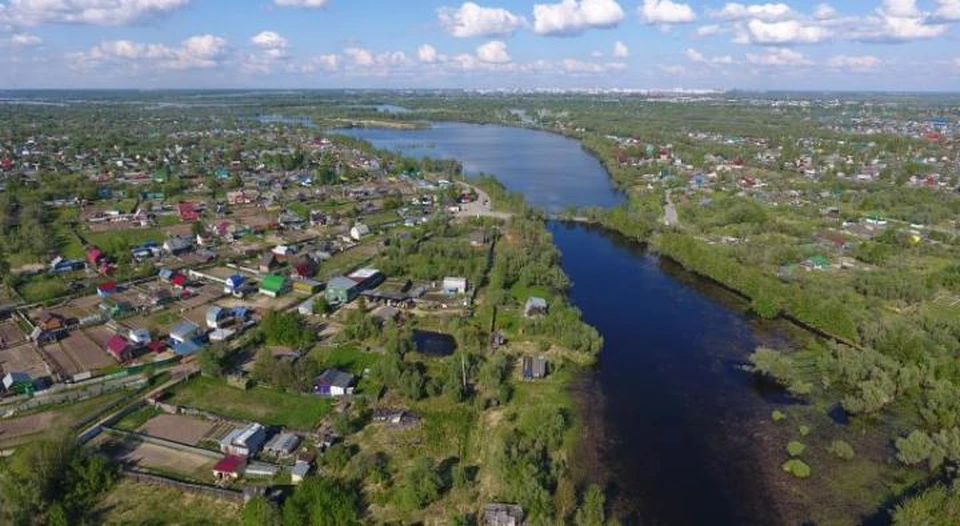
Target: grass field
(134, 503)
(42, 288)
(134, 420)
(347, 357)
(267, 406)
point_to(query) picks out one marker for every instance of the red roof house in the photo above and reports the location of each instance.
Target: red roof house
(94, 255)
(230, 467)
(119, 348)
(187, 212)
(179, 281)
(105, 289)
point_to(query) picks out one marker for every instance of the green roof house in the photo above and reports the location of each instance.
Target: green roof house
(273, 285)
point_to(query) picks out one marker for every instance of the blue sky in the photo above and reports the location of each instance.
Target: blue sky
(798, 44)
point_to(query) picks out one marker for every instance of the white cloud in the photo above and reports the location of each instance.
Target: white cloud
(779, 58)
(948, 10)
(302, 3)
(427, 54)
(572, 17)
(94, 12)
(493, 52)
(579, 67)
(788, 32)
(768, 12)
(315, 64)
(269, 40)
(25, 40)
(472, 20)
(674, 69)
(696, 56)
(709, 30)
(854, 63)
(666, 12)
(620, 50)
(196, 52)
(360, 57)
(898, 21)
(824, 12)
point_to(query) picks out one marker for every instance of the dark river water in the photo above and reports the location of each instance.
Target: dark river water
(673, 426)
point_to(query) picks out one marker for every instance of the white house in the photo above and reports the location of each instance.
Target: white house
(454, 286)
(358, 231)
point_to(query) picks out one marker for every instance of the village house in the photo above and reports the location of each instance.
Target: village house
(534, 368)
(358, 231)
(497, 514)
(273, 285)
(177, 245)
(454, 286)
(17, 382)
(333, 382)
(51, 321)
(119, 348)
(282, 444)
(229, 467)
(534, 307)
(245, 441)
(341, 290)
(187, 212)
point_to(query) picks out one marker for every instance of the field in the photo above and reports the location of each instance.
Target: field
(86, 348)
(134, 503)
(10, 333)
(347, 358)
(14, 430)
(23, 359)
(178, 428)
(61, 359)
(267, 406)
(160, 458)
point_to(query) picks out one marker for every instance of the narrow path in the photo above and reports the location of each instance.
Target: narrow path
(670, 217)
(481, 207)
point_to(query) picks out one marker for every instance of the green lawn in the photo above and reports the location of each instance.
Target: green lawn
(118, 240)
(134, 420)
(348, 358)
(267, 406)
(42, 288)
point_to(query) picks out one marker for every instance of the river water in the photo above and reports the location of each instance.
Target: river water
(673, 425)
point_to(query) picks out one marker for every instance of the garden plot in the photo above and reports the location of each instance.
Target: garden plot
(10, 334)
(22, 358)
(86, 349)
(179, 428)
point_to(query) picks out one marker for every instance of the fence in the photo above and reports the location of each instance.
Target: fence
(190, 487)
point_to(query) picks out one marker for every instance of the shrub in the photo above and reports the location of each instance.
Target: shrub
(778, 415)
(841, 450)
(797, 468)
(804, 430)
(795, 449)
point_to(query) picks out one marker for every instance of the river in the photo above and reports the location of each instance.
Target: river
(673, 427)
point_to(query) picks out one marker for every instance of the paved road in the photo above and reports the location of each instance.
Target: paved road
(481, 207)
(670, 217)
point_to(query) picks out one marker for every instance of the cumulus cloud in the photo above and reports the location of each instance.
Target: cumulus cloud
(427, 54)
(25, 40)
(779, 58)
(360, 56)
(673, 69)
(696, 56)
(854, 63)
(666, 12)
(472, 20)
(948, 10)
(575, 66)
(196, 52)
(93, 12)
(269, 40)
(709, 30)
(620, 50)
(494, 52)
(302, 3)
(769, 12)
(824, 12)
(572, 17)
(787, 32)
(318, 63)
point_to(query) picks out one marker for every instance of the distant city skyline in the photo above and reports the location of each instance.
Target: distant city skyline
(882, 45)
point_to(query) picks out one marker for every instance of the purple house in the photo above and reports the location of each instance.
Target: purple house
(333, 383)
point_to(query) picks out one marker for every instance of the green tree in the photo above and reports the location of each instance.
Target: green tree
(591, 512)
(420, 486)
(322, 502)
(259, 511)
